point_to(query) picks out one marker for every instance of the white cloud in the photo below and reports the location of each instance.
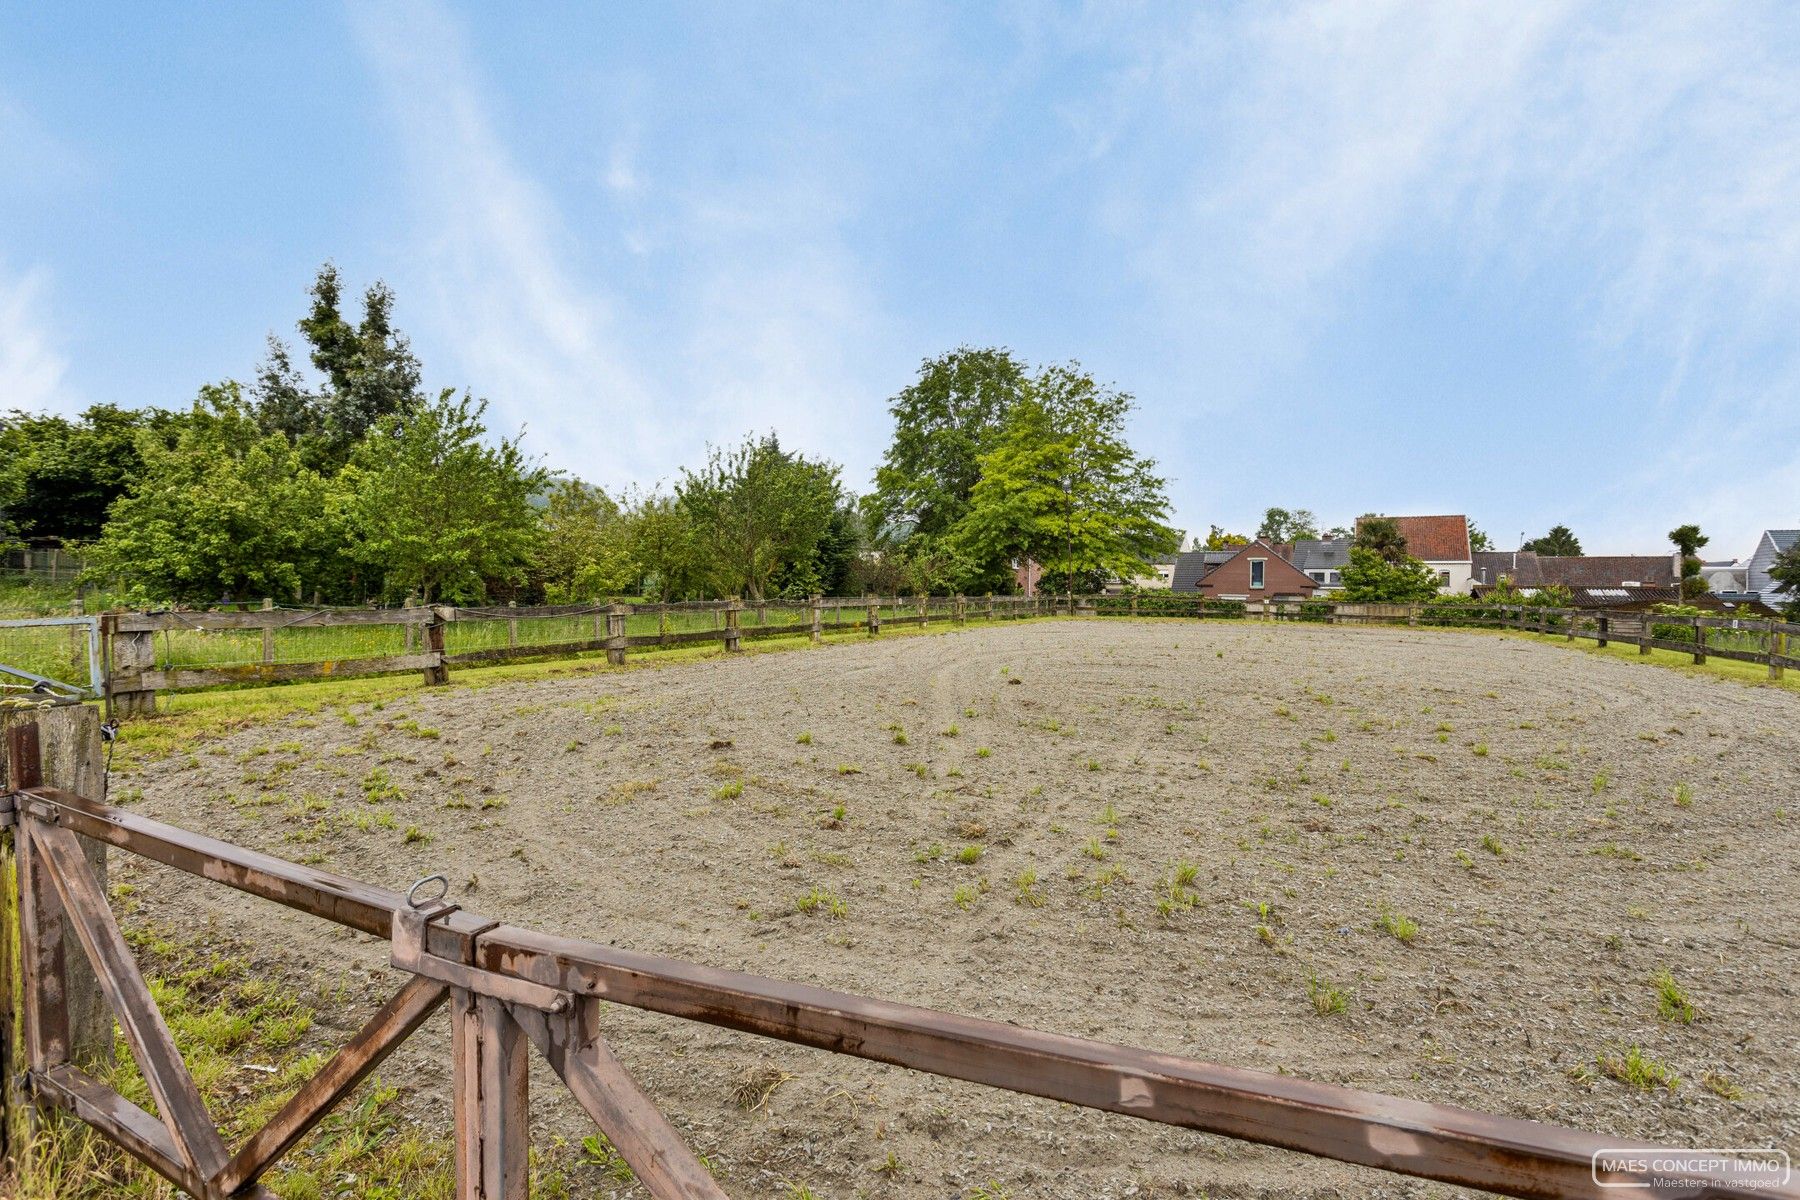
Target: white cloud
(33, 370)
(769, 331)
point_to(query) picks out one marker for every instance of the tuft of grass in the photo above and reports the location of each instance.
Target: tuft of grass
(1402, 927)
(731, 789)
(804, 739)
(982, 752)
(1673, 1004)
(1479, 749)
(969, 855)
(820, 900)
(1492, 845)
(1094, 850)
(1327, 1000)
(1638, 1069)
(1026, 889)
(1684, 796)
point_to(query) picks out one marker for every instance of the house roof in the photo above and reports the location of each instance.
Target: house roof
(1321, 554)
(1527, 569)
(1784, 539)
(1194, 565)
(1278, 566)
(1435, 539)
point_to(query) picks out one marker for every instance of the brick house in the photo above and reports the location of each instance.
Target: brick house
(1258, 571)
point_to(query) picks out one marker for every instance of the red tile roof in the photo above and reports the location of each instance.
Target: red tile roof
(1436, 539)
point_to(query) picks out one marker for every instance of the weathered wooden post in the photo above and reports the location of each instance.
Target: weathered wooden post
(1600, 629)
(734, 609)
(131, 653)
(437, 674)
(990, 606)
(818, 619)
(1699, 642)
(512, 627)
(1570, 615)
(1777, 650)
(615, 633)
(956, 609)
(409, 633)
(874, 615)
(268, 634)
(1645, 632)
(58, 1011)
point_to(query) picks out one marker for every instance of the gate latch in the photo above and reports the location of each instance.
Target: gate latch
(408, 953)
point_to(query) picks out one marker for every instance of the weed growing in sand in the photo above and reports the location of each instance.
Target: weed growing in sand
(1402, 927)
(964, 896)
(1672, 1004)
(1601, 780)
(1684, 796)
(414, 835)
(1721, 1087)
(849, 769)
(1492, 845)
(1479, 749)
(731, 789)
(803, 738)
(1327, 1000)
(982, 752)
(1614, 850)
(952, 731)
(821, 901)
(377, 788)
(1026, 890)
(969, 855)
(991, 1190)
(1638, 1069)
(834, 818)
(1094, 850)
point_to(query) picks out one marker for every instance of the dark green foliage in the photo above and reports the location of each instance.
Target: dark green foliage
(60, 475)
(1281, 525)
(944, 422)
(757, 512)
(1560, 541)
(1785, 570)
(1372, 579)
(1382, 536)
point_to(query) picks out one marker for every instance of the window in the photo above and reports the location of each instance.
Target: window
(1443, 579)
(1256, 571)
(1334, 577)
(1316, 576)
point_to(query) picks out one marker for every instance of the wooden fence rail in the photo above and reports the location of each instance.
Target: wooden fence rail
(215, 648)
(509, 988)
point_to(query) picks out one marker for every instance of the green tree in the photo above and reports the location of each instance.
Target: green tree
(1065, 489)
(1785, 571)
(370, 374)
(585, 551)
(1218, 539)
(1381, 535)
(1479, 541)
(1688, 540)
(944, 421)
(1559, 542)
(226, 512)
(58, 476)
(662, 544)
(434, 510)
(758, 511)
(1281, 525)
(1371, 578)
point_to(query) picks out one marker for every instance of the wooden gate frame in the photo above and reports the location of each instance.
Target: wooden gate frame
(508, 987)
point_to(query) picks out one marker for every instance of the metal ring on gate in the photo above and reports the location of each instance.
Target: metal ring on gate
(413, 900)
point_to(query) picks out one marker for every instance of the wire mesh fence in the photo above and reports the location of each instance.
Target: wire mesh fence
(60, 649)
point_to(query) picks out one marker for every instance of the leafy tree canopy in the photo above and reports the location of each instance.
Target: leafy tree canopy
(435, 511)
(756, 510)
(584, 552)
(59, 475)
(1064, 488)
(1381, 535)
(1479, 541)
(1785, 571)
(1218, 539)
(944, 421)
(1281, 525)
(1372, 579)
(1559, 541)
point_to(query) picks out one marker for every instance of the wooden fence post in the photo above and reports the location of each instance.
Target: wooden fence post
(734, 609)
(268, 634)
(958, 610)
(1412, 614)
(874, 615)
(1777, 648)
(818, 618)
(615, 633)
(1571, 614)
(1699, 642)
(1644, 632)
(1600, 640)
(409, 634)
(67, 1015)
(437, 674)
(512, 628)
(130, 654)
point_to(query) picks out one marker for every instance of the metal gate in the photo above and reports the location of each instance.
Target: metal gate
(46, 655)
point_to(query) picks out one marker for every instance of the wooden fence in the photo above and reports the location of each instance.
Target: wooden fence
(148, 653)
(509, 989)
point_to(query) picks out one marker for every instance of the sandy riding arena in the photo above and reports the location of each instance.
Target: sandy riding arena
(1450, 866)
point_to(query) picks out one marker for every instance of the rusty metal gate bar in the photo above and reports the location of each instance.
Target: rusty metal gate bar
(509, 987)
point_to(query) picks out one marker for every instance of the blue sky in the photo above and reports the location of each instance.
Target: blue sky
(1535, 263)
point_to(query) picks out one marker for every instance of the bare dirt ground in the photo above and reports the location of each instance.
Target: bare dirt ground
(1561, 828)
